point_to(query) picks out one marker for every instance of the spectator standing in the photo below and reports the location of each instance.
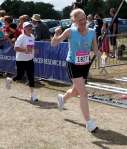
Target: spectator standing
(40, 29)
(24, 47)
(98, 24)
(78, 4)
(22, 19)
(14, 32)
(113, 32)
(81, 39)
(6, 29)
(90, 21)
(105, 42)
(1, 35)
(2, 14)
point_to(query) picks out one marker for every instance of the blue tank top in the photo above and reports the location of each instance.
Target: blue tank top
(78, 42)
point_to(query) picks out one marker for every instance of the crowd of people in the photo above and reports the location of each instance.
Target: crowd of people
(11, 28)
(82, 38)
(102, 28)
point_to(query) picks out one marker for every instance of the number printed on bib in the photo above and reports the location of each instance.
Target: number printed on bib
(82, 58)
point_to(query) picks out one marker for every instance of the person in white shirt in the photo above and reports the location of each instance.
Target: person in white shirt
(24, 47)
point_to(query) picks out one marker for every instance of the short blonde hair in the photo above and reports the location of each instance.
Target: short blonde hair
(24, 18)
(76, 12)
(2, 13)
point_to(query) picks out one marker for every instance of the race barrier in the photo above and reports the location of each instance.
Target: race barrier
(123, 79)
(109, 101)
(110, 56)
(49, 61)
(106, 87)
(106, 100)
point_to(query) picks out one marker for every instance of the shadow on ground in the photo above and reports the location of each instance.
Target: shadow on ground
(40, 104)
(107, 137)
(74, 122)
(57, 84)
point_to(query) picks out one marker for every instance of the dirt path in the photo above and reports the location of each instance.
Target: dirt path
(41, 126)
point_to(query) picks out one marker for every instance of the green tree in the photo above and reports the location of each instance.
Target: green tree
(115, 4)
(95, 6)
(26, 8)
(18, 7)
(66, 12)
(46, 10)
(12, 7)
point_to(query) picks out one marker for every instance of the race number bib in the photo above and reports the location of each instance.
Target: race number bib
(82, 58)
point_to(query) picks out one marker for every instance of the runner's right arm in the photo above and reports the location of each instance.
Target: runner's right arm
(24, 50)
(59, 36)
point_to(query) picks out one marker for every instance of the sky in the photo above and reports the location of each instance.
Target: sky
(58, 4)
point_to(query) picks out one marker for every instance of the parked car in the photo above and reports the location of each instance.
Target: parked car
(64, 23)
(51, 23)
(122, 24)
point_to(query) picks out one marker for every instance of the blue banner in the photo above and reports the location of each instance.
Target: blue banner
(7, 57)
(49, 61)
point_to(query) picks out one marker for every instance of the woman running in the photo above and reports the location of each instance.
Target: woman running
(81, 40)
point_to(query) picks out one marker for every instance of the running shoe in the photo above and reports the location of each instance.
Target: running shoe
(60, 102)
(34, 98)
(91, 126)
(8, 82)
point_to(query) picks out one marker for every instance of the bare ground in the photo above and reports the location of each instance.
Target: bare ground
(24, 125)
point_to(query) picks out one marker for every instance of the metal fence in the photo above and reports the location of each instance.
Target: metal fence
(114, 55)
